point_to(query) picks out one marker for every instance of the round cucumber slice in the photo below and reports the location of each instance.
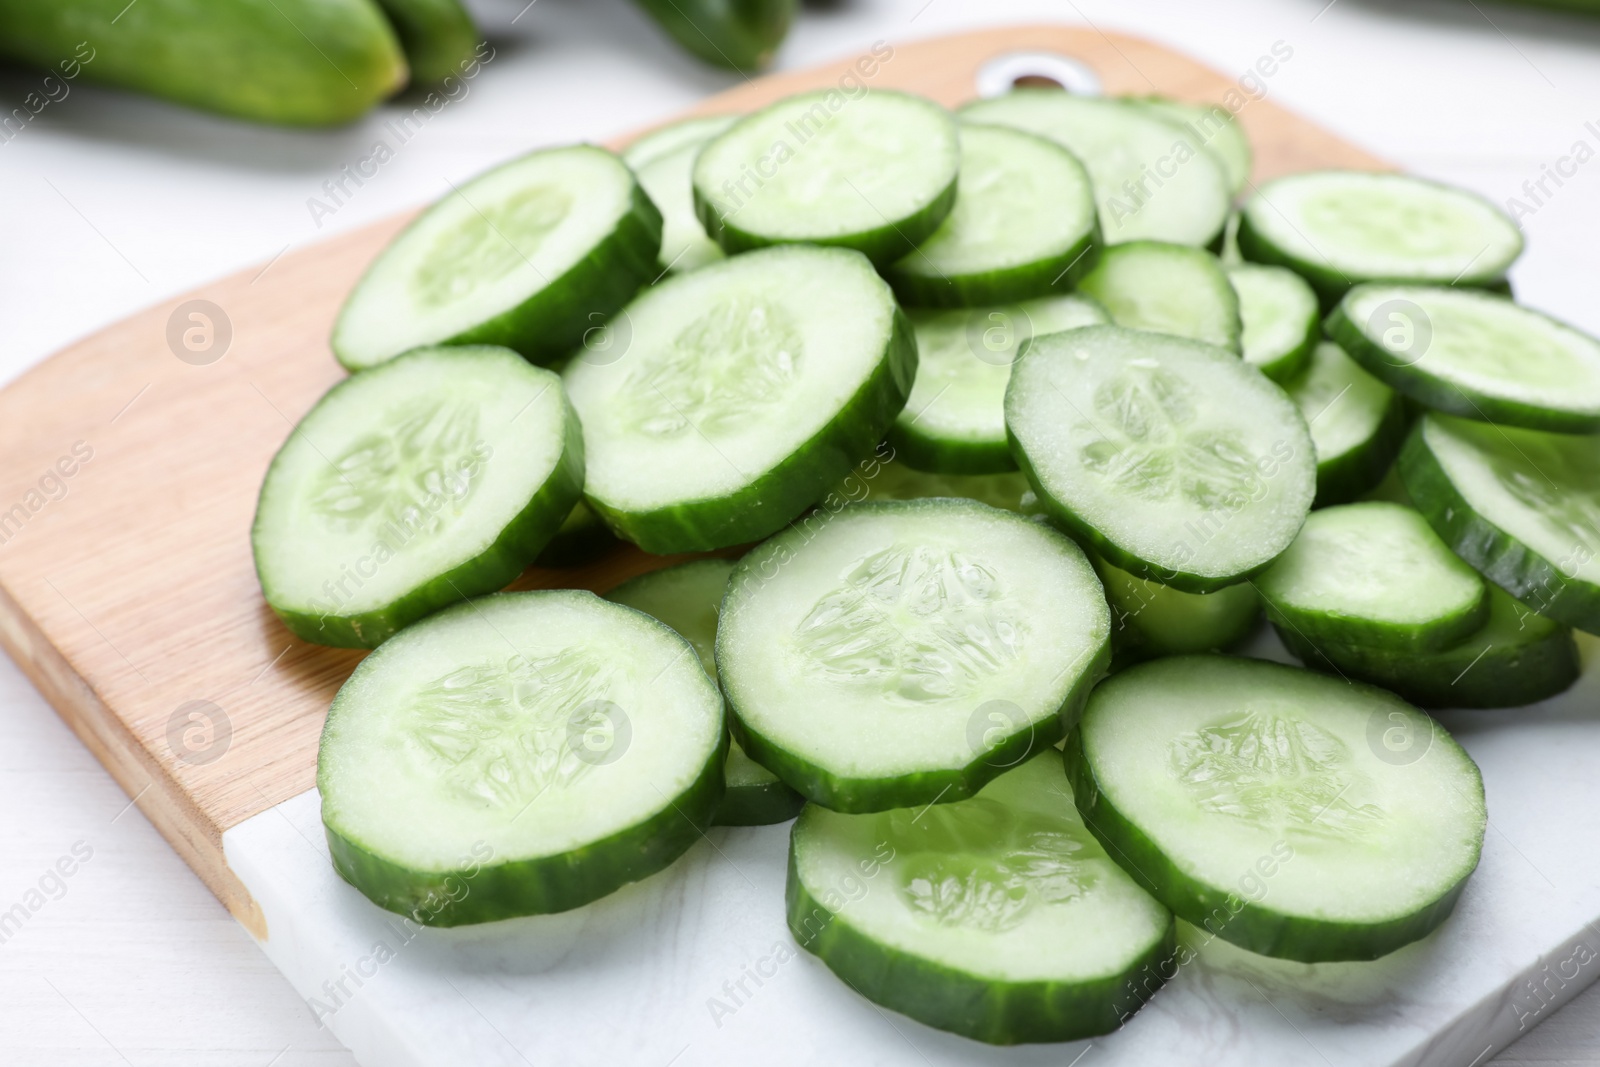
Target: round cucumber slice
(1280, 319)
(1293, 814)
(580, 538)
(684, 244)
(898, 481)
(906, 653)
(1473, 354)
(1024, 225)
(730, 404)
(1374, 574)
(1149, 619)
(1214, 128)
(1173, 459)
(688, 598)
(1168, 288)
(875, 172)
(954, 421)
(1151, 180)
(1521, 506)
(433, 478)
(664, 140)
(529, 255)
(520, 754)
(1357, 423)
(999, 918)
(1336, 228)
(1518, 657)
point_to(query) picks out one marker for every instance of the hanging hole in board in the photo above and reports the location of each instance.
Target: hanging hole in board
(1049, 70)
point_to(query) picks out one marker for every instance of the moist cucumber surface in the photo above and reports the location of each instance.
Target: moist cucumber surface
(906, 653)
(1374, 574)
(1293, 814)
(1168, 288)
(1173, 459)
(436, 477)
(734, 405)
(875, 172)
(1473, 354)
(519, 754)
(1279, 316)
(999, 917)
(954, 420)
(1357, 423)
(1023, 225)
(1215, 129)
(531, 255)
(1149, 619)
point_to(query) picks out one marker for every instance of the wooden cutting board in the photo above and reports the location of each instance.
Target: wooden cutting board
(128, 479)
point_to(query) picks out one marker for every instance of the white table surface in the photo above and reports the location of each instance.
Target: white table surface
(112, 202)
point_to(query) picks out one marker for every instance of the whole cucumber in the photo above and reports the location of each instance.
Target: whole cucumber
(438, 36)
(295, 62)
(738, 34)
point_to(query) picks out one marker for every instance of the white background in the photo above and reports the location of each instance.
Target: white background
(109, 203)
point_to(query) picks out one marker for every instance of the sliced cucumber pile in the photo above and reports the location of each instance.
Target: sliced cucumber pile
(999, 918)
(1150, 285)
(1357, 423)
(1291, 813)
(664, 162)
(1280, 320)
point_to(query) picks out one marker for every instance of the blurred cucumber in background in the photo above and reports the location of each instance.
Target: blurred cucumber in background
(741, 35)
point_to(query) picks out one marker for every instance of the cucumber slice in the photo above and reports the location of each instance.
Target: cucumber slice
(1357, 423)
(1518, 657)
(1473, 354)
(999, 918)
(1336, 228)
(688, 598)
(530, 255)
(1216, 129)
(674, 135)
(955, 420)
(684, 244)
(1173, 459)
(580, 538)
(735, 405)
(434, 478)
(1290, 813)
(1168, 288)
(1374, 574)
(1521, 506)
(520, 754)
(1024, 225)
(1151, 180)
(1280, 319)
(898, 481)
(875, 172)
(905, 653)
(1149, 619)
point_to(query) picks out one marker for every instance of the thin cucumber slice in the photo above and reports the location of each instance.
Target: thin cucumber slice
(875, 172)
(1374, 574)
(1149, 619)
(1281, 320)
(1521, 506)
(734, 405)
(529, 255)
(1473, 354)
(1168, 288)
(688, 598)
(1173, 459)
(1216, 129)
(894, 480)
(436, 477)
(1151, 180)
(906, 653)
(674, 135)
(520, 754)
(684, 244)
(1024, 225)
(999, 918)
(1293, 814)
(954, 421)
(1337, 228)
(580, 538)
(1518, 657)
(1357, 423)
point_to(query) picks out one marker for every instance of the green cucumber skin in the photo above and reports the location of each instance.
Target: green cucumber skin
(770, 502)
(1049, 277)
(439, 37)
(1291, 363)
(942, 455)
(1346, 477)
(740, 35)
(581, 538)
(291, 62)
(758, 805)
(542, 885)
(995, 1012)
(1540, 583)
(1320, 626)
(1251, 926)
(493, 569)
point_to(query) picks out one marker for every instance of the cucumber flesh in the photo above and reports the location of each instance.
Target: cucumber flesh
(538, 750)
(954, 421)
(1173, 459)
(733, 405)
(1293, 814)
(684, 244)
(1280, 319)
(1149, 619)
(674, 135)
(1357, 423)
(1473, 354)
(436, 477)
(531, 255)
(1168, 288)
(999, 918)
(1213, 127)
(906, 653)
